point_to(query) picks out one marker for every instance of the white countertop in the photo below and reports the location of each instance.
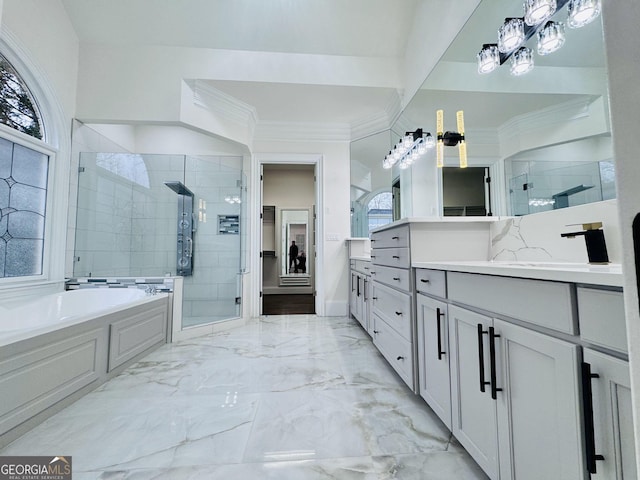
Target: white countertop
(608, 275)
(360, 257)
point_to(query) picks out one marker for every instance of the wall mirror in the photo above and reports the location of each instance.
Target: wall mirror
(371, 193)
(295, 233)
(543, 135)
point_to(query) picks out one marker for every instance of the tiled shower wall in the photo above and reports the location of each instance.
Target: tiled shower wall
(127, 225)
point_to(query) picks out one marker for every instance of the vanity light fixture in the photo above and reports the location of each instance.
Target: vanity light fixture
(582, 12)
(550, 38)
(521, 61)
(537, 11)
(450, 139)
(511, 34)
(515, 32)
(409, 149)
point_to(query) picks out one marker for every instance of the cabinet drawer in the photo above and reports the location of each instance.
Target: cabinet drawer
(395, 277)
(394, 237)
(602, 319)
(395, 349)
(543, 303)
(394, 307)
(432, 282)
(391, 257)
(362, 266)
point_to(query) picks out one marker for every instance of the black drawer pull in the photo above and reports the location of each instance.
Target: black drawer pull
(400, 358)
(376, 332)
(439, 313)
(397, 279)
(374, 298)
(425, 280)
(396, 256)
(398, 313)
(481, 332)
(492, 357)
(395, 238)
(587, 400)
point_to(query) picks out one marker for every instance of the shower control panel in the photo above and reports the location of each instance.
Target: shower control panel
(186, 228)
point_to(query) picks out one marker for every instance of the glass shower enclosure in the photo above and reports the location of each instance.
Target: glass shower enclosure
(130, 224)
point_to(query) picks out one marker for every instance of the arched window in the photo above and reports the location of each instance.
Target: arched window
(379, 210)
(18, 108)
(24, 179)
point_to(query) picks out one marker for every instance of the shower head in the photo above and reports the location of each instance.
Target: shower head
(179, 188)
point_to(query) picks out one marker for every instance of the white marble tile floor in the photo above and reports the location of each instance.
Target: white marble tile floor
(283, 398)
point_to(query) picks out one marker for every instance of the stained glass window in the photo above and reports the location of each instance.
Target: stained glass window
(18, 109)
(23, 195)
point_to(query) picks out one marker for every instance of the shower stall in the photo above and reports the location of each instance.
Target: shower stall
(129, 224)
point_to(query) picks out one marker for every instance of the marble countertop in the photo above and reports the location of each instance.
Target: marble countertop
(608, 275)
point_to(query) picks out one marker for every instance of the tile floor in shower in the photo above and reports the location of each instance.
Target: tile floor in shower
(282, 397)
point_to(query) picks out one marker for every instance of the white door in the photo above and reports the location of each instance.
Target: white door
(539, 420)
(611, 455)
(473, 418)
(433, 356)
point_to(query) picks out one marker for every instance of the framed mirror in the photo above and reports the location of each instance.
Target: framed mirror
(294, 243)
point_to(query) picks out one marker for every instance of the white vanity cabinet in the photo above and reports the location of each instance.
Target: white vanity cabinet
(610, 446)
(392, 300)
(515, 391)
(609, 440)
(433, 347)
(359, 294)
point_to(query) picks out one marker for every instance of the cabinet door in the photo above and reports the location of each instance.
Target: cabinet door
(473, 418)
(539, 421)
(353, 298)
(433, 356)
(612, 413)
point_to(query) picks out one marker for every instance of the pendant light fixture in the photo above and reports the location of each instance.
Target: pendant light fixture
(550, 35)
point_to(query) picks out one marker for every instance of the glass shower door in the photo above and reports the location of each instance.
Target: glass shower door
(213, 292)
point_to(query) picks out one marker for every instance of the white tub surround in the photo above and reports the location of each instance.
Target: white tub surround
(58, 348)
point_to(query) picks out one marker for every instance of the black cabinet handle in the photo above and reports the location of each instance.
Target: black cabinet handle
(492, 357)
(364, 289)
(424, 280)
(587, 400)
(396, 256)
(397, 279)
(374, 298)
(439, 314)
(398, 313)
(400, 358)
(395, 238)
(373, 256)
(376, 331)
(481, 332)
(358, 286)
(366, 268)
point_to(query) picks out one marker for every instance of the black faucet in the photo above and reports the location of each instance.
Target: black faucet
(594, 238)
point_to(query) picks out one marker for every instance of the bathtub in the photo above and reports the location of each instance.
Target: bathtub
(59, 310)
(59, 347)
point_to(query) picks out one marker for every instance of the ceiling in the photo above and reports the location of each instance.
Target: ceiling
(353, 28)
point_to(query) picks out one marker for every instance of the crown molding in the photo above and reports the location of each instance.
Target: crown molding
(382, 121)
(230, 108)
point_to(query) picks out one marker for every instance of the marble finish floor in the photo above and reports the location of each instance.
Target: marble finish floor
(282, 397)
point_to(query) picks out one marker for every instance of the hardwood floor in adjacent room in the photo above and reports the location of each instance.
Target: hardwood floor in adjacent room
(288, 304)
